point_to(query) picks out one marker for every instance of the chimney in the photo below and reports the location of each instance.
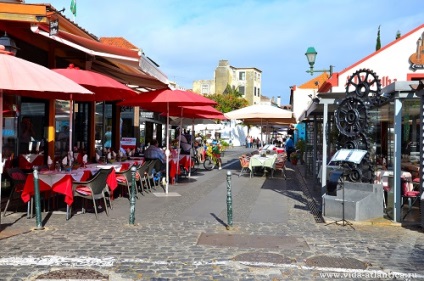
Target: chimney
(278, 101)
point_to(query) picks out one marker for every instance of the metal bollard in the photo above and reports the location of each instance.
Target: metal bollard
(132, 196)
(229, 201)
(39, 225)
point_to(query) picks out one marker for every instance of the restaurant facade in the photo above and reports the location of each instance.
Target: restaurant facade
(43, 35)
(378, 96)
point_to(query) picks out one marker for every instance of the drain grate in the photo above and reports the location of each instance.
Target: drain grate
(336, 262)
(313, 206)
(260, 257)
(74, 274)
(252, 241)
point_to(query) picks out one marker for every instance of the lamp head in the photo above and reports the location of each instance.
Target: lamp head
(311, 55)
(9, 44)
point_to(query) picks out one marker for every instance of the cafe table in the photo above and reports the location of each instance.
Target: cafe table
(385, 177)
(61, 182)
(263, 161)
(174, 169)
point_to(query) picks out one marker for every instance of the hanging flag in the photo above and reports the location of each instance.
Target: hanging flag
(74, 7)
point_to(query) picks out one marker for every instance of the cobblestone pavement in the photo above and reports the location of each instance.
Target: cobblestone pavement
(276, 235)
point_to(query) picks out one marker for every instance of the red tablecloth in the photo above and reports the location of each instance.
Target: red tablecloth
(174, 169)
(62, 186)
(27, 161)
(111, 181)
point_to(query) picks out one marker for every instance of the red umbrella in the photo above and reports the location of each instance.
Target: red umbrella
(103, 87)
(22, 77)
(25, 78)
(161, 101)
(189, 111)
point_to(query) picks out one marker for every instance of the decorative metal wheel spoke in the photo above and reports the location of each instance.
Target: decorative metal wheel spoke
(357, 142)
(366, 85)
(351, 117)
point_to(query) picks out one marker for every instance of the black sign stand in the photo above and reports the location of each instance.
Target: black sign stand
(343, 221)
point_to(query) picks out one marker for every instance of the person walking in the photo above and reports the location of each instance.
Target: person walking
(289, 147)
(108, 137)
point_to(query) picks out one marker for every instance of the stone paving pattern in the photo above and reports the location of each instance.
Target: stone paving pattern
(163, 245)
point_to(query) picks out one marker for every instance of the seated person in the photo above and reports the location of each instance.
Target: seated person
(185, 145)
(200, 151)
(154, 152)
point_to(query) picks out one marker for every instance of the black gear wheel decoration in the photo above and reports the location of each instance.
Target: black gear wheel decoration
(357, 142)
(363, 92)
(352, 117)
(365, 85)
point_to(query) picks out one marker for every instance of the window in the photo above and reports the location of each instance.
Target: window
(205, 89)
(254, 91)
(259, 92)
(242, 76)
(241, 90)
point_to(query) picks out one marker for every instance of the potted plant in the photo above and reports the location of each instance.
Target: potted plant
(294, 157)
(301, 148)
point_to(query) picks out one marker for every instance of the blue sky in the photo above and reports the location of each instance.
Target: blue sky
(188, 38)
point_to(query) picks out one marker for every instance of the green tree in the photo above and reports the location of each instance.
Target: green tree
(398, 35)
(230, 100)
(378, 45)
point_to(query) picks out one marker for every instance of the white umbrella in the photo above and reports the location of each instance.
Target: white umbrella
(258, 113)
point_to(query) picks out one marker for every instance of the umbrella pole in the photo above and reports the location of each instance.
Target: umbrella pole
(262, 137)
(191, 142)
(71, 121)
(167, 148)
(1, 145)
(179, 144)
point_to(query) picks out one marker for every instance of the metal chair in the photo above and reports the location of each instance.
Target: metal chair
(124, 178)
(412, 196)
(151, 173)
(18, 178)
(141, 176)
(93, 189)
(244, 162)
(280, 164)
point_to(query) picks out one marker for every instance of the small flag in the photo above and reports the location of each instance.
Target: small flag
(74, 7)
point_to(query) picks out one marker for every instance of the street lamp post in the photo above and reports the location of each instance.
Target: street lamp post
(311, 55)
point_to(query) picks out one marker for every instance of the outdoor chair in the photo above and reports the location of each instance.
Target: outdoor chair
(152, 173)
(412, 196)
(18, 178)
(124, 179)
(244, 162)
(93, 189)
(280, 164)
(141, 179)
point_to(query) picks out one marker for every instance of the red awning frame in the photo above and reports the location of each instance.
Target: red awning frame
(90, 47)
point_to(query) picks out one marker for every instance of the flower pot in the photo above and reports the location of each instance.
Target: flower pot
(293, 161)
